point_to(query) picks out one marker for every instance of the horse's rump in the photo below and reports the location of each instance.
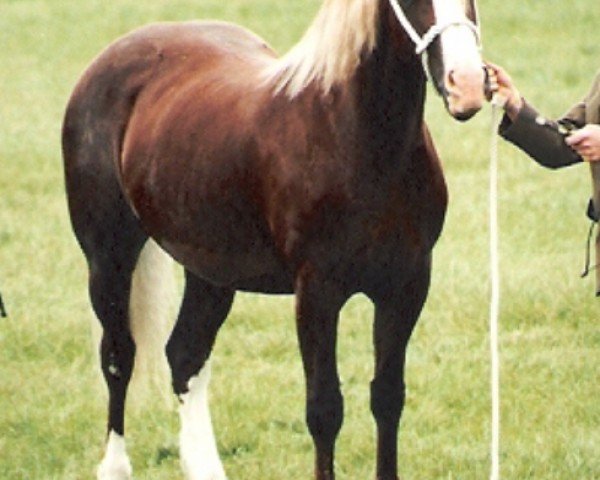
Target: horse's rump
(172, 104)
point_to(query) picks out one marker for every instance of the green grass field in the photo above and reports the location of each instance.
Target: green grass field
(52, 400)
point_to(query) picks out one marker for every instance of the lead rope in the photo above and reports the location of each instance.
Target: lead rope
(497, 104)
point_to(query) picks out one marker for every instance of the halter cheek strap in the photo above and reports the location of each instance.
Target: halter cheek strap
(422, 43)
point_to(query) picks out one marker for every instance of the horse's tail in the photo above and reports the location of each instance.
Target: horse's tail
(150, 311)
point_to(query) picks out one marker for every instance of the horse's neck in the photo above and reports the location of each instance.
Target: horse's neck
(390, 92)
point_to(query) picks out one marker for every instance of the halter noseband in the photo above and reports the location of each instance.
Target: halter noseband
(422, 43)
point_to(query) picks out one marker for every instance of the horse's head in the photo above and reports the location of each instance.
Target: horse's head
(446, 33)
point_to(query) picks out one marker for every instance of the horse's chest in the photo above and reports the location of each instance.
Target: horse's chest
(399, 232)
(375, 232)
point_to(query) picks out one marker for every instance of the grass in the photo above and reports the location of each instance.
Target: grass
(51, 397)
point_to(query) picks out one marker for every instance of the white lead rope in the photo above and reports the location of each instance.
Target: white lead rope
(497, 104)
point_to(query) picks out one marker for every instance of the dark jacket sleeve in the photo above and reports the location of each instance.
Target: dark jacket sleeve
(542, 139)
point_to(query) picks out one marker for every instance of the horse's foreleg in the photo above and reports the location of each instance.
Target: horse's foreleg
(202, 313)
(318, 306)
(396, 313)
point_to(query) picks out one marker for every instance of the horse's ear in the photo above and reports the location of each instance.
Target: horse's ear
(473, 11)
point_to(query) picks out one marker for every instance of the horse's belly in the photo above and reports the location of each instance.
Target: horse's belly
(220, 238)
(259, 270)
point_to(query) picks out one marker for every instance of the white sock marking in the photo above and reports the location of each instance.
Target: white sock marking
(116, 464)
(199, 456)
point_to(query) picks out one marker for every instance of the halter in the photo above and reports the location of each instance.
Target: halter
(422, 43)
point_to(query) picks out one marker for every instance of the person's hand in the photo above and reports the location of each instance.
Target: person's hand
(586, 142)
(501, 84)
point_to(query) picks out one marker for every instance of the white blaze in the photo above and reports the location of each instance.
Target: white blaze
(463, 76)
(459, 43)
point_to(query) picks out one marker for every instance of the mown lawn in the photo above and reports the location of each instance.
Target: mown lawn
(52, 401)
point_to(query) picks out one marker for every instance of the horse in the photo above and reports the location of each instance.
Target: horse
(311, 173)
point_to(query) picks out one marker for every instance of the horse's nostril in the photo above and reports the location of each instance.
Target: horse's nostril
(451, 80)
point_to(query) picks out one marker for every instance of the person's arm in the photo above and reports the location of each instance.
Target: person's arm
(542, 139)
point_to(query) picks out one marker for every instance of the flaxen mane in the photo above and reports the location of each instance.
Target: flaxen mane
(330, 50)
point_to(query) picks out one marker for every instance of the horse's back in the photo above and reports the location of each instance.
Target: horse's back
(145, 55)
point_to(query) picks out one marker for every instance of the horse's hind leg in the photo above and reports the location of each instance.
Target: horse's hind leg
(111, 239)
(110, 282)
(109, 233)
(202, 313)
(110, 289)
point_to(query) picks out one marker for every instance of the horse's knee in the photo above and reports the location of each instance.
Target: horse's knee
(324, 415)
(387, 400)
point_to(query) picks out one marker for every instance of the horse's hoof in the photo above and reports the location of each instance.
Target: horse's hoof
(115, 465)
(114, 471)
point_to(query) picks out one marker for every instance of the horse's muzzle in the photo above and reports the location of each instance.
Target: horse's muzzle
(464, 92)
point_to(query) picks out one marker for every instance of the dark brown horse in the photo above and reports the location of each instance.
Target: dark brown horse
(311, 174)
